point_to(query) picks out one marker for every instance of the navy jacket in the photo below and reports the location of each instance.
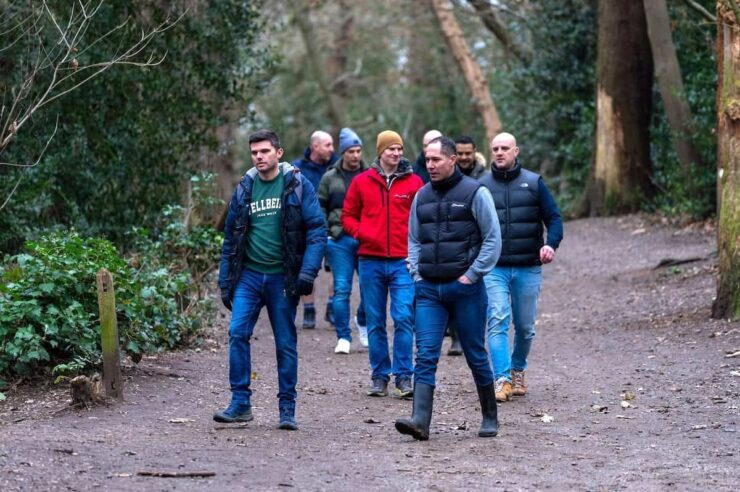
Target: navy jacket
(302, 227)
(313, 171)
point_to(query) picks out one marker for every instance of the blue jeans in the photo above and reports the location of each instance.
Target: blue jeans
(466, 304)
(342, 256)
(511, 291)
(253, 291)
(378, 278)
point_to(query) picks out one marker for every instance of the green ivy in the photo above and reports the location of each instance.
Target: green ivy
(48, 297)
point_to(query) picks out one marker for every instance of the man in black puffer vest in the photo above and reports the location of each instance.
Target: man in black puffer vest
(523, 204)
(454, 241)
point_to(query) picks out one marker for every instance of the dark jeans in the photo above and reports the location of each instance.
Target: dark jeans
(253, 291)
(435, 303)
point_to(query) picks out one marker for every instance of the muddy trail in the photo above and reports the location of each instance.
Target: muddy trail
(631, 386)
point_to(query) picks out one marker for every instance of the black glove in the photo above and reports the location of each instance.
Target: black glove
(226, 299)
(304, 287)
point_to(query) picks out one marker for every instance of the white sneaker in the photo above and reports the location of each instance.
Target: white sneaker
(362, 330)
(342, 347)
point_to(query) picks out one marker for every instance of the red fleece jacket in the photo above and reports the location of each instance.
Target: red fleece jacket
(377, 215)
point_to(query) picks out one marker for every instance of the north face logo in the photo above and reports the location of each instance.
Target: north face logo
(458, 205)
(524, 185)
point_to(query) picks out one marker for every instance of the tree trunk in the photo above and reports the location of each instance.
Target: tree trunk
(668, 73)
(334, 105)
(727, 303)
(470, 69)
(490, 20)
(338, 63)
(620, 177)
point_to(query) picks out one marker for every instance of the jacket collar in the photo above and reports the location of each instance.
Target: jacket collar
(501, 175)
(404, 168)
(449, 182)
(285, 168)
(307, 159)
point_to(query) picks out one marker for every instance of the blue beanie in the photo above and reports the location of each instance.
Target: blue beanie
(348, 139)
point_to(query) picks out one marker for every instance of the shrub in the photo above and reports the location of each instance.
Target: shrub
(48, 298)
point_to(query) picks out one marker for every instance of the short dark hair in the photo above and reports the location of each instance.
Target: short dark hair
(465, 139)
(446, 145)
(264, 134)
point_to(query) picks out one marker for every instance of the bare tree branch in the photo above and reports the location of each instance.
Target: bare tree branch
(43, 151)
(490, 20)
(12, 192)
(56, 62)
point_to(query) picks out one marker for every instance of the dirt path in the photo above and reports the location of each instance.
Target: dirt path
(610, 326)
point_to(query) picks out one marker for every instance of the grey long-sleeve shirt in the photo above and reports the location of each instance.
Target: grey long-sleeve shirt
(485, 215)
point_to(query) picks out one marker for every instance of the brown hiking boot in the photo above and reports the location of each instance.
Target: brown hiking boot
(503, 389)
(519, 386)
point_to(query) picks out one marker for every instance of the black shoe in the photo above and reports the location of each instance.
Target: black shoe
(404, 389)
(455, 347)
(234, 413)
(329, 314)
(309, 317)
(379, 388)
(421, 416)
(489, 424)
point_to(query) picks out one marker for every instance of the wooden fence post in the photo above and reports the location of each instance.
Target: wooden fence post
(112, 380)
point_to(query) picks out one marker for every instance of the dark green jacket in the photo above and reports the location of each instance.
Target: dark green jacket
(332, 189)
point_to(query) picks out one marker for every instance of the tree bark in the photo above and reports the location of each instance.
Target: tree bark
(490, 20)
(727, 303)
(338, 62)
(334, 105)
(668, 73)
(470, 69)
(620, 176)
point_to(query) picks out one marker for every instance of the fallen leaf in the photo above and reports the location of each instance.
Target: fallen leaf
(628, 395)
(638, 231)
(547, 418)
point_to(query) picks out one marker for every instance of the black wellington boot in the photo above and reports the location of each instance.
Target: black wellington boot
(421, 416)
(487, 397)
(455, 347)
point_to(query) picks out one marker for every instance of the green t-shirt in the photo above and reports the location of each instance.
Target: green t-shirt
(265, 245)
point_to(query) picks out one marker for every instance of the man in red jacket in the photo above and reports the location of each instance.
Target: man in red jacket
(376, 213)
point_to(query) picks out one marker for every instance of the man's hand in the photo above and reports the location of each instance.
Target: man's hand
(464, 280)
(304, 287)
(226, 299)
(547, 254)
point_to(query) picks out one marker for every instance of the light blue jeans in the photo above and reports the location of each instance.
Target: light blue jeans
(512, 292)
(378, 278)
(342, 256)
